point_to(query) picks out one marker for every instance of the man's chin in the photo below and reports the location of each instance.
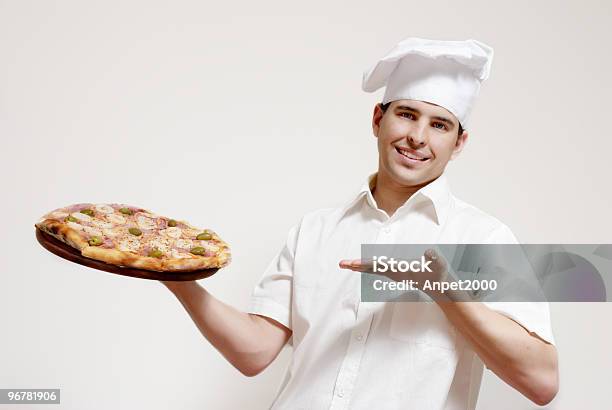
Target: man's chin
(409, 178)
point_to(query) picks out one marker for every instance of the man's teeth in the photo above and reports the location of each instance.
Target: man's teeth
(410, 156)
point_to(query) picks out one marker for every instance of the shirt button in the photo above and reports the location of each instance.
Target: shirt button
(387, 230)
(340, 394)
(359, 337)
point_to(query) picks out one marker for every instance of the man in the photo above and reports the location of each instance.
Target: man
(349, 354)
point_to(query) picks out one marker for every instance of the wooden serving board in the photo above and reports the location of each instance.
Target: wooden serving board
(66, 251)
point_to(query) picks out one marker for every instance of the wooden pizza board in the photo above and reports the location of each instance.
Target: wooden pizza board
(66, 251)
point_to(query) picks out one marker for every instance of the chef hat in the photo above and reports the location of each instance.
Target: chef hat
(445, 73)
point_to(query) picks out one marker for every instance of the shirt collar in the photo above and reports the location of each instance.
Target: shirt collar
(437, 193)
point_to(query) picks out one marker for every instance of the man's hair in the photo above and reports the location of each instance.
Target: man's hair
(385, 106)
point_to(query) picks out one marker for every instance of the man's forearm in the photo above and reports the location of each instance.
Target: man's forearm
(249, 342)
(517, 357)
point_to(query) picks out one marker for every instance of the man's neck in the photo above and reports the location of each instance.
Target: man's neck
(390, 195)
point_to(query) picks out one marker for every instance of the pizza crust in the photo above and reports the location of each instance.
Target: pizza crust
(63, 232)
(122, 258)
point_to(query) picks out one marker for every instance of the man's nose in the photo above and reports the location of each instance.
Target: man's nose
(416, 136)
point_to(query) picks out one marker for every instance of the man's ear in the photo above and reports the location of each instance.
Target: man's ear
(376, 117)
(459, 144)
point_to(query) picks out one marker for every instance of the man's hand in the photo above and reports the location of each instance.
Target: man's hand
(434, 261)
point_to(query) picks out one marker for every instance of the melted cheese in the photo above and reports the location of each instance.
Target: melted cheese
(145, 223)
(210, 247)
(191, 233)
(81, 217)
(58, 215)
(105, 209)
(101, 224)
(161, 243)
(116, 219)
(92, 231)
(183, 243)
(75, 226)
(129, 244)
(179, 255)
(173, 232)
(112, 233)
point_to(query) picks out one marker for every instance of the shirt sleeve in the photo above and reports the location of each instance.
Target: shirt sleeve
(533, 316)
(272, 296)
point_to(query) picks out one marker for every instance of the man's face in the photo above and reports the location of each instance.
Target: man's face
(411, 129)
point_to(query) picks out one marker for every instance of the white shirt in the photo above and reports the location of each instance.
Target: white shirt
(349, 354)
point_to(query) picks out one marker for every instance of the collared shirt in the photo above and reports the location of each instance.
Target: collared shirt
(349, 354)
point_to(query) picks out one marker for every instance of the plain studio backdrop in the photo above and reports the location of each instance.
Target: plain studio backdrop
(243, 116)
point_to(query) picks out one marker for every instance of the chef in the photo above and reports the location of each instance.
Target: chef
(349, 354)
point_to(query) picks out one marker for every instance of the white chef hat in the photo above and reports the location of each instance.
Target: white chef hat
(445, 73)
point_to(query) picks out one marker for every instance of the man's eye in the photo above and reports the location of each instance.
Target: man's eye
(440, 126)
(409, 115)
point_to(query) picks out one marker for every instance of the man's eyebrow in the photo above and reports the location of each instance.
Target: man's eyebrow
(445, 120)
(407, 108)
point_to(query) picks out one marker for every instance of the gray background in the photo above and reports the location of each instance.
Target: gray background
(243, 116)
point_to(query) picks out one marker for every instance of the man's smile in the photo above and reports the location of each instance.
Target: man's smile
(411, 156)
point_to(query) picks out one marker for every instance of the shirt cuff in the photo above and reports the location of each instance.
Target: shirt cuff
(269, 308)
(534, 323)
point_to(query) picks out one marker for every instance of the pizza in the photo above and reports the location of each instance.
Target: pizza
(125, 235)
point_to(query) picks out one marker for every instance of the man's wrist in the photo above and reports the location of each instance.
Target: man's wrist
(181, 287)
